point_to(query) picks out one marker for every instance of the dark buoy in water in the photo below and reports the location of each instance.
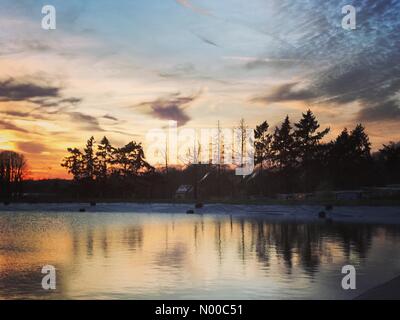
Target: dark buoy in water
(6, 203)
(322, 214)
(198, 205)
(328, 207)
(190, 211)
(93, 204)
(82, 210)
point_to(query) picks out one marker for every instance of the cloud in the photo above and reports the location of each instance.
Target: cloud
(170, 108)
(389, 111)
(179, 71)
(35, 45)
(71, 100)
(51, 102)
(206, 40)
(6, 125)
(86, 121)
(14, 90)
(276, 63)
(285, 92)
(18, 46)
(109, 117)
(187, 71)
(372, 81)
(23, 114)
(189, 5)
(359, 66)
(30, 147)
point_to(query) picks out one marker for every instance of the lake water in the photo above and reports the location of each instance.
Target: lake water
(102, 255)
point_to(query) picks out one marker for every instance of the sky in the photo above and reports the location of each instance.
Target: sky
(121, 68)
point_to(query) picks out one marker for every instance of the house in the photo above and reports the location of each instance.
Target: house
(285, 196)
(184, 191)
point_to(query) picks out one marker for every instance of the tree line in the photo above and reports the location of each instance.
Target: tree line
(294, 158)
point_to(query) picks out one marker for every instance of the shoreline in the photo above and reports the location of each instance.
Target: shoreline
(250, 202)
(273, 213)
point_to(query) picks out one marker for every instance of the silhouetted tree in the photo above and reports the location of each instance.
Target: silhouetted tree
(283, 146)
(13, 168)
(89, 160)
(262, 145)
(105, 158)
(307, 143)
(292, 159)
(242, 136)
(130, 160)
(361, 144)
(74, 163)
(389, 158)
(350, 158)
(284, 153)
(102, 169)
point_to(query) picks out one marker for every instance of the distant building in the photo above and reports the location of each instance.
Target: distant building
(285, 196)
(185, 191)
(349, 195)
(295, 196)
(391, 190)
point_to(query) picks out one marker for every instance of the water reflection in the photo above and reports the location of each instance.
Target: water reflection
(99, 255)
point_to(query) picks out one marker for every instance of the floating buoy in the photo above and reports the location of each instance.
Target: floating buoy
(322, 214)
(190, 211)
(93, 204)
(198, 205)
(6, 203)
(82, 210)
(328, 207)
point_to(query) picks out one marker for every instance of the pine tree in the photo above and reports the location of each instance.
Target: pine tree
(350, 158)
(104, 158)
(89, 159)
(131, 160)
(306, 135)
(284, 156)
(389, 157)
(307, 142)
(262, 144)
(360, 143)
(283, 146)
(74, 163)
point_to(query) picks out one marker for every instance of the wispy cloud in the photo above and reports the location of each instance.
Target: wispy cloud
(178, 71)
(388, 111)
(361, 65)
(7, 125)
(26, 115)
(110, 117)
(189, 5)
(31, 147)
(286, 92)
(206, 40)
(86, 122)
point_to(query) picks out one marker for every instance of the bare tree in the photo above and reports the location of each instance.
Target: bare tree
(242, 136)
(13, 169)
